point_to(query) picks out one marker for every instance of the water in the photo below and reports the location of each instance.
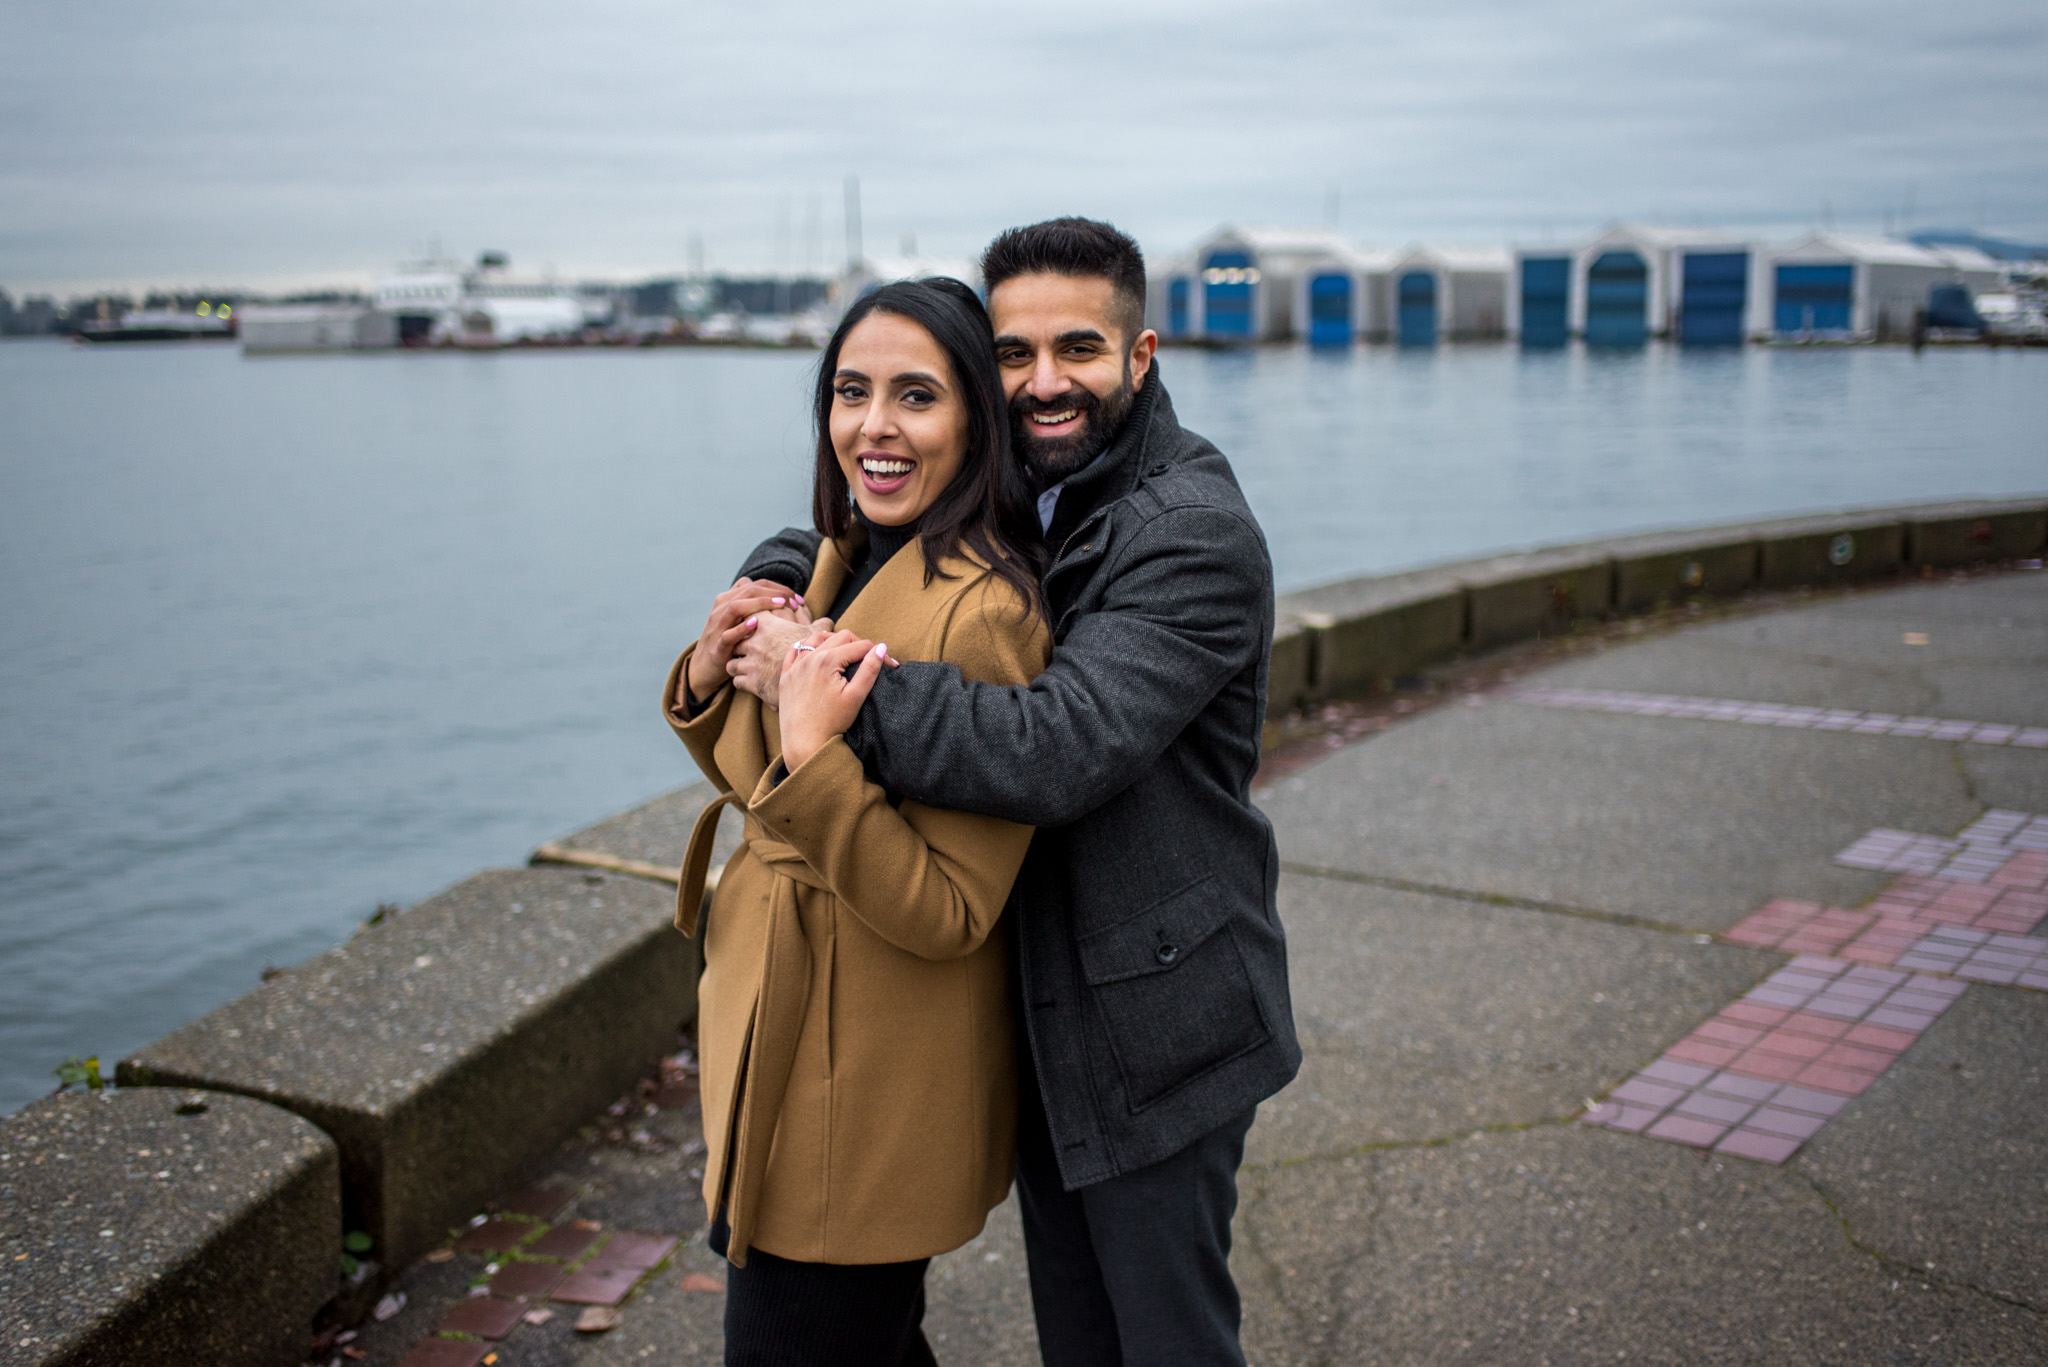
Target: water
(287, 638)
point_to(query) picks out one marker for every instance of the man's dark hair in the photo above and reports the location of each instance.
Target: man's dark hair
(1073, 246)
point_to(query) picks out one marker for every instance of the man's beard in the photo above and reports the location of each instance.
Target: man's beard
(1048, 460)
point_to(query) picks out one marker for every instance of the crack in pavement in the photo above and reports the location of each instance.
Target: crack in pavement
(1489, 899)
(1904, 1266)
(1962, 763)
(1331, 1314)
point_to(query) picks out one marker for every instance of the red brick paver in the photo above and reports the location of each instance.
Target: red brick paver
(485, 1316)
(445, 1353)
(1757, 1081)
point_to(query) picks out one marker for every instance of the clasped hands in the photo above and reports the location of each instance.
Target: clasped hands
(751, 638)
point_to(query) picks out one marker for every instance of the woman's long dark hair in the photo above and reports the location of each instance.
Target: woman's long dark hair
(989, 507)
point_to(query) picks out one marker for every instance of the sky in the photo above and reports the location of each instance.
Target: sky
(318, 143)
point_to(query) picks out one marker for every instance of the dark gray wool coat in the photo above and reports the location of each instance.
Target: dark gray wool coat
(1151, 964)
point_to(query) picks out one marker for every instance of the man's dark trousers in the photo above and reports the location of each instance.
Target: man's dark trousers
(1134, 1270)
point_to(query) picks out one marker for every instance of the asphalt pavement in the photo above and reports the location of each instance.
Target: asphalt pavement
(1539, 1022)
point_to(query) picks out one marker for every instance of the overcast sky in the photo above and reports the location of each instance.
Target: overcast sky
(313, 141)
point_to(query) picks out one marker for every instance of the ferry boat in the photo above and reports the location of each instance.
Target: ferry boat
(204, 324)
(438, 302)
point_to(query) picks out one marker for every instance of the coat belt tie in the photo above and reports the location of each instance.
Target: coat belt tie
(778, 1020)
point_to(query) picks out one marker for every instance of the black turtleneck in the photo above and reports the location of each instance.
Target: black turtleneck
(882, 544)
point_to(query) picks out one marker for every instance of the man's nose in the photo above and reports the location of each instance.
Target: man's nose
(1046, 381)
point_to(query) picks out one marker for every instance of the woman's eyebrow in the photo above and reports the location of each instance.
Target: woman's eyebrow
(918, 377)
(843, 373)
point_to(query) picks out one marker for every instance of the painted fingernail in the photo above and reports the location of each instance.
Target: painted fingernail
(882, 650)
(799, 598)
(749, 622)
(776, 601)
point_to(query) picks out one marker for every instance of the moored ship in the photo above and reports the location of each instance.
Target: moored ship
(204, 324)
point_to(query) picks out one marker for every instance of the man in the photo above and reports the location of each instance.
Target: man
(1150, 965)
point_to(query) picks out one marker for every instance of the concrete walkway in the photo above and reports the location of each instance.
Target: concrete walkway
(1505, 909)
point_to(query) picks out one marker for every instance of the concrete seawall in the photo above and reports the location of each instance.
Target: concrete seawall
(427, 1063)
(1365, 635)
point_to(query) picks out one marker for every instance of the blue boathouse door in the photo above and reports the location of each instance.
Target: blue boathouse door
(1415, 309)
(1546, 296)
(1177, 306)
(1329, 310)
(1713, 295)
(1813, 299)
(1617, 300)
(1228, 279)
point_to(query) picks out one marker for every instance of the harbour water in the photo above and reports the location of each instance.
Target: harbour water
(287, 638)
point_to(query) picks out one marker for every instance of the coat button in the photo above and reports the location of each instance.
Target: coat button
(1166, 954)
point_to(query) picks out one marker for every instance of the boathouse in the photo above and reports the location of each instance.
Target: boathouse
(1440, 293)
(1247, 286)
(1539, 311)
(1633, 283)
(1624, 283)
(1170, 290)
(1342, 296)
(1719, 296)
(1843, 287)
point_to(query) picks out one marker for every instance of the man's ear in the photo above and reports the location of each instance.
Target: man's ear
(1141, 357)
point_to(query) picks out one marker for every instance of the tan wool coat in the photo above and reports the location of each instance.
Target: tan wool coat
(855, 1028)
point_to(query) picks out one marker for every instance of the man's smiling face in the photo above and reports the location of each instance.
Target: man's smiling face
(1070, 370)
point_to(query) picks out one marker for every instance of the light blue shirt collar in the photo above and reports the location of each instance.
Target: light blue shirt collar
(1049, 501)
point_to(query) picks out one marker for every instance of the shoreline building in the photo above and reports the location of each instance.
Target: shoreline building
(1247, 281)
(1634, 282)
(1626, 282)
(1442, 293)
(1170, 297)
(286, 328)
(1342, 296)
(1848, 287)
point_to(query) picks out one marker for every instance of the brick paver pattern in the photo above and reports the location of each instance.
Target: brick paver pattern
(538, 1262)
(1781, 714)
(1963, 907)
(1766, 1072)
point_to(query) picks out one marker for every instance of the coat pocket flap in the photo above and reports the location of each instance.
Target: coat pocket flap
(1157, 938)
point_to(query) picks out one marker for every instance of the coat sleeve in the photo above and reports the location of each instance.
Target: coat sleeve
(1189, 605)
(931, 882)
(699, 734)
(788, 557)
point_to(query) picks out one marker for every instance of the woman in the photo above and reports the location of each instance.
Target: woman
(854, 1015)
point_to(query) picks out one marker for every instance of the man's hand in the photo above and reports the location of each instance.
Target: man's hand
(735, 614)
(818, 700)
(757, 660)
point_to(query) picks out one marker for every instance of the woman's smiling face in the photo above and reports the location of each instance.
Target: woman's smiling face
(898, 426)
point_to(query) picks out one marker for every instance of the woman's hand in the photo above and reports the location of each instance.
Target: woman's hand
(734, 614)
(818, 700)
